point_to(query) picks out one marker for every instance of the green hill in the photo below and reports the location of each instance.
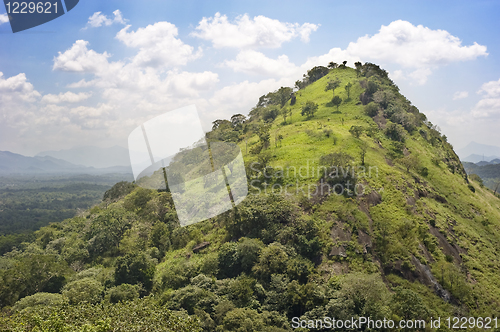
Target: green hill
(357, 208)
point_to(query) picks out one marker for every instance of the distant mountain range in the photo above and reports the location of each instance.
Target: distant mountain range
(92, 156)
(13, 163)
(477, 152)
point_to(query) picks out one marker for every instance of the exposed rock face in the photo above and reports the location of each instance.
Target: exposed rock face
(200, 246)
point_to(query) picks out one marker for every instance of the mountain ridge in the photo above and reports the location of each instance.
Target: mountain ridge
(13, 163)
(92, 156)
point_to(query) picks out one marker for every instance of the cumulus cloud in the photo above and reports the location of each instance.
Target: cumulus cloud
(489, 105)
(18, 99)
(4, 18)
(17, 88)
(460, 95)
(80, 59)
(245, 32)
(418, 50)
(158, 45)
(414, 47)
(253, 62)
(241, 97)
(68, 97)
(98, 19)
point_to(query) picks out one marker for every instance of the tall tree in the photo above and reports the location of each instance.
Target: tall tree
(336, 101)
(332, 65)
(281, 96)
(237, 120)
(359, 67)
(332, 85)
(348, 89)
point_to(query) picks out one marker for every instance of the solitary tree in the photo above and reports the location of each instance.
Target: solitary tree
(309, 109)
(332, 85)
(362, 153)
(332, 65)
(237, 120)
(348, 89)
(409, 161)
(359, 67)
(284, 112)
(356, 131)
(282, 95)
(336, 101)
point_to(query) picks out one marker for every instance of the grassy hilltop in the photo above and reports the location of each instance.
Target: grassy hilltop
(357, 206)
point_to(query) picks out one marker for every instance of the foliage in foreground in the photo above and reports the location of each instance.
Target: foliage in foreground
(139, 315)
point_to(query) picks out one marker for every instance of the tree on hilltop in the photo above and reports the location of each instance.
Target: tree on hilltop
(332, 65)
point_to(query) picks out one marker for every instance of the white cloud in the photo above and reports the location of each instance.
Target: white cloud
(245, 32)
(489, 105)
(158, 45)
(253, 62)
(68, 97)
(335, 54)
(397, 75)
(98, 19)
(420, 75)
(414, 46)
(490, 89)
(417, 49)
(18, 99)
(80, 59)
(17, 88)
(460, 95)
(4, 18)
(241, 97)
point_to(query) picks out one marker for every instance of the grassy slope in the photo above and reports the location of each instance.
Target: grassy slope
(469, 220)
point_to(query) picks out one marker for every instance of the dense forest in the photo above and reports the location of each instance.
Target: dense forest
(384, 223)
(28, 202)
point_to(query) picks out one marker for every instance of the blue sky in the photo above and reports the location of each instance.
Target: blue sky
(94, 74)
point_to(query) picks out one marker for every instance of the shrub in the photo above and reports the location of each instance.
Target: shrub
(395, 132)
(123, 292)
(86, 290)
(309, 109)
(371, 109)
(119, 190)
(134, 269)
(39, 299)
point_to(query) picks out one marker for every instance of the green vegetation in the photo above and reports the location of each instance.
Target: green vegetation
(486, 175)
(378, 219)
(30, 202)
